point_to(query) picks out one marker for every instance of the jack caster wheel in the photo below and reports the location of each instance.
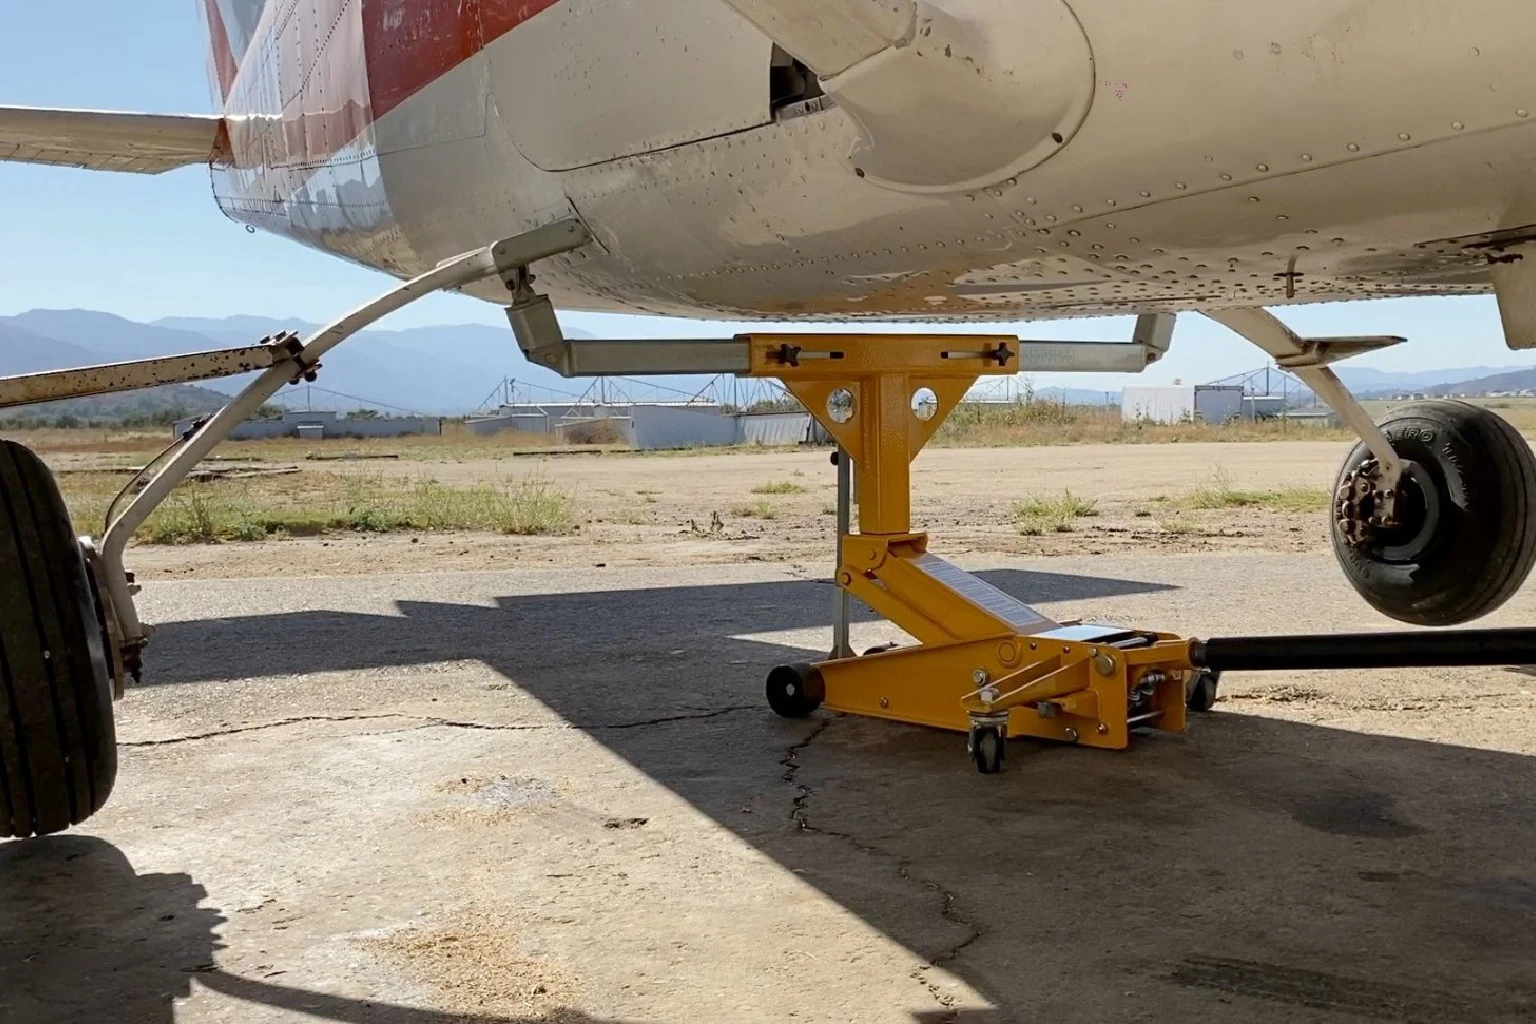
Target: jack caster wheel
(881, 649)
(1459, 536)
(58, 743)
(987, 746)
(795, 691)
(1201, 694)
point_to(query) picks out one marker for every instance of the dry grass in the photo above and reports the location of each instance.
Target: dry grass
(307, 504)
(456, 444)
(1042, 423)
(759, 509)
(1177, 525)
(779, 487)
(1039, 515)
(1219, 493)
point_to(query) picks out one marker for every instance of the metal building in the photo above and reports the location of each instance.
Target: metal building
(651, 425)
(317, 425)
(1181, 403)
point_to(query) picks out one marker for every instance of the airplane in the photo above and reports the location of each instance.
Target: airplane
(920, 161)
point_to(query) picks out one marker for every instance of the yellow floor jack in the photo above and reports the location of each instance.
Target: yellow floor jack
(985, 664)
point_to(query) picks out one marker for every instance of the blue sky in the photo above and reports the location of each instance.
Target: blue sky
(151, 246)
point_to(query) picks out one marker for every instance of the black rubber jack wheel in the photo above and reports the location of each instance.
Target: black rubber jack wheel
(1201, 695)
(1467, 512)
(881, 648)
(795, 691)
(987, 746)
(58, 744)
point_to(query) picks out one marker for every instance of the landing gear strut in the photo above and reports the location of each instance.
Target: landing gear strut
(1457, 536)
(1435, 509)
(69, 632)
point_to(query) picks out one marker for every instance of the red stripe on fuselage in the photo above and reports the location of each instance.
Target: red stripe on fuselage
(411, 43)
(357, 60)
(218, 38)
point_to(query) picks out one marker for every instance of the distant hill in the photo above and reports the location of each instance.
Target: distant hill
(28, 349)
(106, 334)
(22, 351)
(1511, 380)
(445, 370)
(462, 364)
(1367, 380)
(453, 369)
(159, 405)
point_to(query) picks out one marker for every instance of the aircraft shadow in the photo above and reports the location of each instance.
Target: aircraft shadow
(1258, 870)
(572, 624)
(88, 938)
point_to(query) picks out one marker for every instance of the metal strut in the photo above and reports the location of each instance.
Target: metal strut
(288, 362)
(1309, 359)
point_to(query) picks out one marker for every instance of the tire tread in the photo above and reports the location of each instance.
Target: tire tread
(58, 755)
(1505, 468)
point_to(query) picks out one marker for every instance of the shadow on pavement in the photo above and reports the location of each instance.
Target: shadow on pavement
(86, 938)
(1258, 870)
(570, 624)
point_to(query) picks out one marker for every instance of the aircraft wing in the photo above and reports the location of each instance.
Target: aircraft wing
(105, 140)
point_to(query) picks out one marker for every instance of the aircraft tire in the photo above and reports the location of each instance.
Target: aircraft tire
(1468, 534)
(58, 741)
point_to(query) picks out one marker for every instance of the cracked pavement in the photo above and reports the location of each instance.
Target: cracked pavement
(555, 796)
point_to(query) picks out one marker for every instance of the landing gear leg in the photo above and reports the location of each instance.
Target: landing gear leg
(69, 632)
(1435, 509)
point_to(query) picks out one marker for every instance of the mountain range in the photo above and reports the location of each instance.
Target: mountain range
(456, 369)
(449, 370)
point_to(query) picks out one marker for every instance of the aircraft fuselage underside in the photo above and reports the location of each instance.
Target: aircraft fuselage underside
(1210, 154)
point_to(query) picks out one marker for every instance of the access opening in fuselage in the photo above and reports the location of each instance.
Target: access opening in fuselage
(790, 81)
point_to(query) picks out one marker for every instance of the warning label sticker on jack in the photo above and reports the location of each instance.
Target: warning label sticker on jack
(984, 595)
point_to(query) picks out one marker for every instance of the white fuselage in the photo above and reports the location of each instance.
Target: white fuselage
(1125, 156)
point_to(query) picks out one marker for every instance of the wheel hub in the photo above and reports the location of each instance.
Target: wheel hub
(1364, 506)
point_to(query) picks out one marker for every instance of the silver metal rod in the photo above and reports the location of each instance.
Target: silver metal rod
(1265, 330)
(459, 271)
(1082, 357)
(54, 385)
(841, 601)
(538, 334)
(1326, 385)
(1138, 719)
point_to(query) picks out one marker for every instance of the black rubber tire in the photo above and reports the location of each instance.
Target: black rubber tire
(58, 742)
(1202, 691)
(795, 691)
(987, 747)
(1484, 540)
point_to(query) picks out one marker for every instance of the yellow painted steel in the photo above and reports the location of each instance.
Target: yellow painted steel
(970, 661)
(882, 372)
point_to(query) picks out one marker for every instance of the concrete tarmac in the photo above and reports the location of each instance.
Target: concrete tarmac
(557, 796)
